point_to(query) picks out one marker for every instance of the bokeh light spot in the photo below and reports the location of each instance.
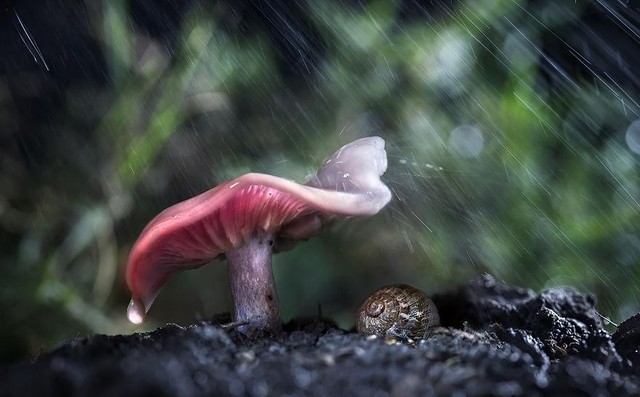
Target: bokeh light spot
(632, 136)
(467, 141)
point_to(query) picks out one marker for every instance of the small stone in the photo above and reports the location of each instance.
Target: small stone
(327, 359)
(246, 356)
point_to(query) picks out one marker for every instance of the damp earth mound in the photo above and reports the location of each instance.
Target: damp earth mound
(495, 340)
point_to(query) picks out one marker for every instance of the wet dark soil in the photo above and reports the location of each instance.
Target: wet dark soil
(496, 340)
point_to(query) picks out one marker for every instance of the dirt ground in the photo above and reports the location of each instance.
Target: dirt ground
(496, 340)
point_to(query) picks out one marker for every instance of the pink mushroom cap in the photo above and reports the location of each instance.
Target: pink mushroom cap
(196, 231)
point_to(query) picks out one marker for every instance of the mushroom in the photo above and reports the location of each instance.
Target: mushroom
(248, 218)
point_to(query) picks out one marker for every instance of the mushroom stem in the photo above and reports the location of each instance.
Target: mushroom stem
(253, 287)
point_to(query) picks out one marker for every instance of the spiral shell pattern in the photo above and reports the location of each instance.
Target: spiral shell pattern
(400, 311)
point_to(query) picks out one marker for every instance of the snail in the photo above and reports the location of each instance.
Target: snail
(400, 311)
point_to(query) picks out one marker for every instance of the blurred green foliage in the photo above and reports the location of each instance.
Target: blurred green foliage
(493, 169)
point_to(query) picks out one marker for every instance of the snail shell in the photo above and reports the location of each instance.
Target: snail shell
(400, 311)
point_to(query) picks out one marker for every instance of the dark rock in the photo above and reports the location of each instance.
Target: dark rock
(481, 302)
(627, 342)
(527, 344)
(500, 341)
(570, 303)
(562, 319)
